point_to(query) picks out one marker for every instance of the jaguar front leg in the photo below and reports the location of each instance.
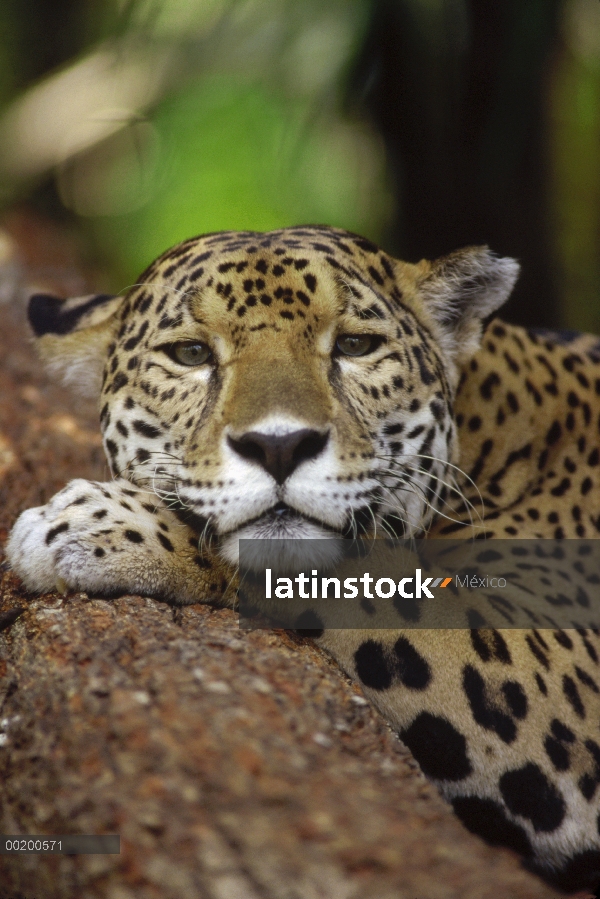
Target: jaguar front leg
(111, 539)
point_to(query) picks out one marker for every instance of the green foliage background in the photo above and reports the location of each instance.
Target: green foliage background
(261, 122)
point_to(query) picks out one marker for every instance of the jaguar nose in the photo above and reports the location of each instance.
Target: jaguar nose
(281, 455)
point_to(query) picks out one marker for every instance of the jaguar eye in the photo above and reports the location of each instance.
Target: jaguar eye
(190, 353)
(357, 344)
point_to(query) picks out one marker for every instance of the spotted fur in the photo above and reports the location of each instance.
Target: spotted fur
(272, 428)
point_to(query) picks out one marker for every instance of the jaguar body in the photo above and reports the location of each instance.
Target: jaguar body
(303, 384)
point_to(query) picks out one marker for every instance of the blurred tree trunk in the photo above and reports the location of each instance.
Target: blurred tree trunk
(43, 35)
(458, 90)
(38, 37)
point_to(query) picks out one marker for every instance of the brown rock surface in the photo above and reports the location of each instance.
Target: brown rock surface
(234, 765)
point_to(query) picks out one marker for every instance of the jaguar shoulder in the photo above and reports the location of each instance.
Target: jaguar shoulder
(303, 383)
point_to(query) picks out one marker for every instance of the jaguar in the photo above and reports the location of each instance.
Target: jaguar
(303, 383)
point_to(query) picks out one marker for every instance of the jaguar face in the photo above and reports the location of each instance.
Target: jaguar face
(296, 384)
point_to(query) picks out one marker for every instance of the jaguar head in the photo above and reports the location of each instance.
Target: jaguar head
(292, 384)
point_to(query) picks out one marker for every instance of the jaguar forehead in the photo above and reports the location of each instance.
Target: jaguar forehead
(217, 261)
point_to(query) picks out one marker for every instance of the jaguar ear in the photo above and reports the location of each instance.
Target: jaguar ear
(73, 336)
(461, 290)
